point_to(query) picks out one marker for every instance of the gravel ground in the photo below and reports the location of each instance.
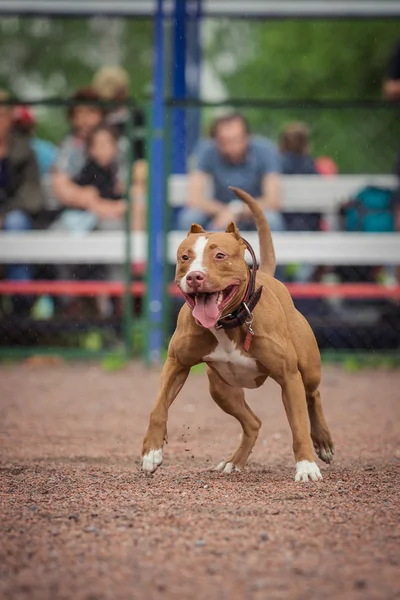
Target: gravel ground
(79, 520)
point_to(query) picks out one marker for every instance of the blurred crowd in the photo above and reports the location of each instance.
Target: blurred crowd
(87, 176)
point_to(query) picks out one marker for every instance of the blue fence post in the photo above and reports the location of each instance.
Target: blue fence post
(179, 87)
(156, 230)
(193, 71)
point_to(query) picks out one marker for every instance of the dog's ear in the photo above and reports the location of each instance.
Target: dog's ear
(195, 228)
(234, 230)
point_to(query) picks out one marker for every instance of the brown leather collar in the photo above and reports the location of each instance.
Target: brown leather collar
(243, 313)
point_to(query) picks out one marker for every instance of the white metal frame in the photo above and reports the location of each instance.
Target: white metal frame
(108, 247)
(211, 8)
(303, 193)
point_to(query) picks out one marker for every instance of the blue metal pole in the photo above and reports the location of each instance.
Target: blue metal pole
(156, 233)
(194, 58)
(179, 87)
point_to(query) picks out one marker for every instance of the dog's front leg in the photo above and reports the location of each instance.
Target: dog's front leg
(173, 377)
(294, 400)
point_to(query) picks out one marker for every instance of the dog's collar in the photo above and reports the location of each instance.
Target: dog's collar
(244, 313)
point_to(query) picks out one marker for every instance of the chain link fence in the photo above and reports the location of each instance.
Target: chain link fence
(353, 138)
(106, 314)
(80, 307)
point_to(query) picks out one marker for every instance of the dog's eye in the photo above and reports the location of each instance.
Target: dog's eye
(220, 256)
(184, 257)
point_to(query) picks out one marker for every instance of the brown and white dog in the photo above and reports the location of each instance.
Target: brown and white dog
(244, 326)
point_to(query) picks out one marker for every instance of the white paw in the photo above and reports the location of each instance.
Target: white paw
(152, 460)
(306, 469)
(227, 467)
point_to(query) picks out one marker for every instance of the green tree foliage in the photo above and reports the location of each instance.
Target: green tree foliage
(317, 60)
(52, 57)
(288, 60)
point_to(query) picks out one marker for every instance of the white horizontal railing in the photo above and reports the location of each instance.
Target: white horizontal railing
(317, 248)
(301, 193)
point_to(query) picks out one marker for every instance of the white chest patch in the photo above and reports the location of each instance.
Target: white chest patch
(234, 368)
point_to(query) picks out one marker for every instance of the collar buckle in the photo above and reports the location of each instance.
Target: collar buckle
(250, 316)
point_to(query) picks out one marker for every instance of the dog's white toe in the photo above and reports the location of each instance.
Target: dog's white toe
(231, 468)
(220, 466)
(227, 467)
(152, 460)
(306, 469)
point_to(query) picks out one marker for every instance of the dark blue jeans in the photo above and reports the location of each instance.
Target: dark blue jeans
(17, 220)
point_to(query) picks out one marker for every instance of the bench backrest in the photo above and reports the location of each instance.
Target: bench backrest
(318, 248)
(301, 193)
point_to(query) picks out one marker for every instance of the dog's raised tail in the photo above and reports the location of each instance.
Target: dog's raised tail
(267, 252)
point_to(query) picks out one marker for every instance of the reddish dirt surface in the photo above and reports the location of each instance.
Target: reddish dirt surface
(80, 521)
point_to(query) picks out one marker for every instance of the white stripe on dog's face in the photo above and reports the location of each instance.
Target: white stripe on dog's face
(198, 261)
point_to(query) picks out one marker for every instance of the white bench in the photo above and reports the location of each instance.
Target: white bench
(301, 193)
(319, 248)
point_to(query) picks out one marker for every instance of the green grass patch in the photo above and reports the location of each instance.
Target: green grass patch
(357, 361)
(114, 362)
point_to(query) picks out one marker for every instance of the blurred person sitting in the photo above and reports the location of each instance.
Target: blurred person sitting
(294, 144)
(45, 151)
(71, 159)
(233, 157)
(100, 169)
(21, 195)
(391, 83)
(391, 91)
(85, 208)
(112, 83)
(325, 165)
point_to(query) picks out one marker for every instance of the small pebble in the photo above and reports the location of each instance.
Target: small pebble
(91, 530)
(264, 536)
(200, 543)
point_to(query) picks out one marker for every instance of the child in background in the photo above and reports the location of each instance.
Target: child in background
(294, 146)
(100, 169)
(100, 172)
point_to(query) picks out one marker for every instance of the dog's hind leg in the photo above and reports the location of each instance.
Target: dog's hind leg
(320, 434)
(232, 401)
(173, 377)
(309, 363)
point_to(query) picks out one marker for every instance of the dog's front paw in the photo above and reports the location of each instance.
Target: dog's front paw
(227, 467)
(306, 469)
(152, 460)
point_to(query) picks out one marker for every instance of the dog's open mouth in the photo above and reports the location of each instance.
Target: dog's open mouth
(207, 307)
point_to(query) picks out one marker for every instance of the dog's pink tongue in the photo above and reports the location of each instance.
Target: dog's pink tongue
(206, 310)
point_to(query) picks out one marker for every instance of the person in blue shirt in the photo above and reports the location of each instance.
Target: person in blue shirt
(45, 151)
(232, 157)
